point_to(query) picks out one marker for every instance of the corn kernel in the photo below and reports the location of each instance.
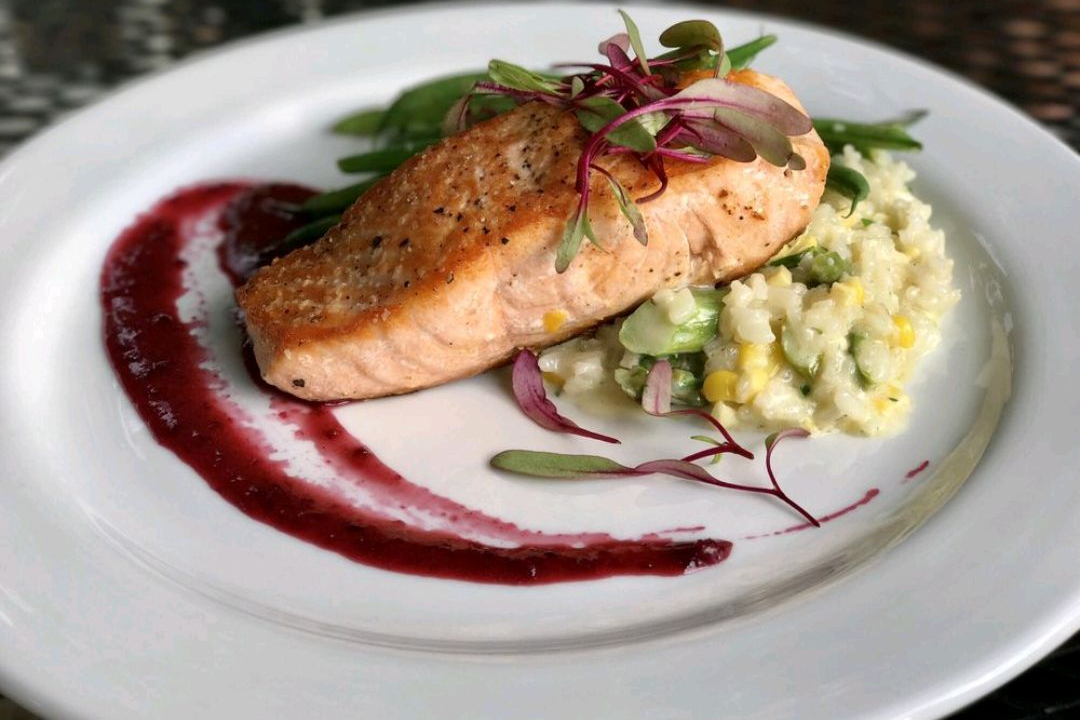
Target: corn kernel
(720, 385)
(726, 413)
(553, 320)
(890, 397)
(781, 277)
(756, 380)
(756, 356)
(851, 291)
(776, 357)
(752, 355)
(905, 333)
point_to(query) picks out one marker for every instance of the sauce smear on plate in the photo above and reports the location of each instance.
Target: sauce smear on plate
(163, 368)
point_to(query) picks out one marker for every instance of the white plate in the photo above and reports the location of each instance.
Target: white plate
(128, 589)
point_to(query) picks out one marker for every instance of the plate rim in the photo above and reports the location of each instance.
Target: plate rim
(1047, 640)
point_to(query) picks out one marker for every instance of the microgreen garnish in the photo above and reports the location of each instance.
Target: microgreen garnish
(656, 400)
(528, 384)
(636, 106)
(742, 56)
(656, 397)
(635, 42)
(529, 392)
(559, 465)
(691, 35)
(443, 106)
(770, 445)
(562, 466)
(709, 441)
(627, 207)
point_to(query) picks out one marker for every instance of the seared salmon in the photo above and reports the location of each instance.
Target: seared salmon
(447, 267)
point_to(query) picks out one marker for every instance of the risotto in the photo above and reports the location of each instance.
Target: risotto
(823, 337)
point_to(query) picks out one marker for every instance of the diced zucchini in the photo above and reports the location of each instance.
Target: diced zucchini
(803, 360)
(861, 349)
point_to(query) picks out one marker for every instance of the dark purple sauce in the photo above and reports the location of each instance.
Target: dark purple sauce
(916, 470)
(158, 362)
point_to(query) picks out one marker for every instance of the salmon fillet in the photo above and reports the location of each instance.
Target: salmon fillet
(447, 267)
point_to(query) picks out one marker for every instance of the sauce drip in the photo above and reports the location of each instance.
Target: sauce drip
(915, 471)
(162, 367)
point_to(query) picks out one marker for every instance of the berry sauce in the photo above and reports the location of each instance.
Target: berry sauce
(168, 375)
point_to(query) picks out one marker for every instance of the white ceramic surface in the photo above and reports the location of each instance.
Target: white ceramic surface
(129, 589)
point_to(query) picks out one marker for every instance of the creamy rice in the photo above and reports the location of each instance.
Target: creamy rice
(824, 356)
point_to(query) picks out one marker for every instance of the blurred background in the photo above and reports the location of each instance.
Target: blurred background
(57, 55)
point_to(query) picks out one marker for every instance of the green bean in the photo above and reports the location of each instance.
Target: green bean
(363, 123)
(384, 159)
(307, 233)
(335, 201)
(849, 183)
(888, 135)
(423, 107)
(791, 261)
(827, 268)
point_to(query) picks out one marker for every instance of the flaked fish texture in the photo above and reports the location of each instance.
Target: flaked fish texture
(446, 267)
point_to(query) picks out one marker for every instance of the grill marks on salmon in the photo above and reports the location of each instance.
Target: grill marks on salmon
(447, 267)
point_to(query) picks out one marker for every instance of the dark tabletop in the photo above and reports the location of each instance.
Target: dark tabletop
(56, 55)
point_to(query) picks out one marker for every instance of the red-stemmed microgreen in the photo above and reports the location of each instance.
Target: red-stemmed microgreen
(730, 445)
(626, 206)
(717, 456)
(636, 106)
(529, 391)
(656, 395)
(770, 445)
(698, 34)
(634, 35)
(445, 105)
(563, 466)
(528, 386)
(656, 400)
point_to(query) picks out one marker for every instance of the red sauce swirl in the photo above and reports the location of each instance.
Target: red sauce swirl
(161, 365)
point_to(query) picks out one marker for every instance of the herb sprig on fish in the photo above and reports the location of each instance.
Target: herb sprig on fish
(633, 104)
(630, 105)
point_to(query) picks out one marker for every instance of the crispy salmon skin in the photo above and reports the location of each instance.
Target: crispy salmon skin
(447, 266)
